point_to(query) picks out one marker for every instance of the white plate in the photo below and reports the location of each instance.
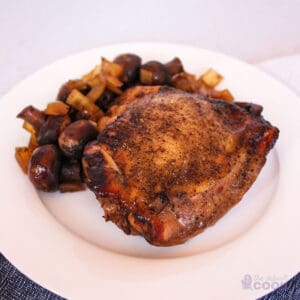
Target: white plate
(61, 241)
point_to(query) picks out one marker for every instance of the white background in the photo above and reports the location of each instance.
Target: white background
(35, 33)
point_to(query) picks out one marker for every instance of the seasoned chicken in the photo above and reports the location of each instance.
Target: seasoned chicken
(169, 163)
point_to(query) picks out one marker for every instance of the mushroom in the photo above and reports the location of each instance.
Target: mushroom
(74, 137)
(131, 64)
(174, 66)
(33, 116)
(71, 177)
(154, 73)
(44, 167)
(51, 129)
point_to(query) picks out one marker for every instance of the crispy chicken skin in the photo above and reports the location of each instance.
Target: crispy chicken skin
(171, 163)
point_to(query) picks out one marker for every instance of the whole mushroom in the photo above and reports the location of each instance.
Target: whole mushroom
(75, 136)
(131, 64)
(44, 168)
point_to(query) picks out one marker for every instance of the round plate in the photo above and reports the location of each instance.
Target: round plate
(61, 242)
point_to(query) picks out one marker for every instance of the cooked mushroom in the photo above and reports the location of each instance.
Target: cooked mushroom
(70, 171)
(174, 66)
(51, 129)
(131, 64)
(154, 73)
(71, 177)
(74, 137)
(44, 166)
(33, 116)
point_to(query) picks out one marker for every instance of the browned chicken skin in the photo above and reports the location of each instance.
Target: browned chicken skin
(172, 163)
